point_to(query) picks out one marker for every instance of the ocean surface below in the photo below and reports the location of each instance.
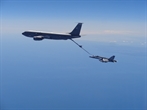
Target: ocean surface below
(58, 75)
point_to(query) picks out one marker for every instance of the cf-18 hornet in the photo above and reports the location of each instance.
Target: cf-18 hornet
(103, 59)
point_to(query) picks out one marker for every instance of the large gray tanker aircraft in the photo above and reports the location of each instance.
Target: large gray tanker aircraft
(38, 35)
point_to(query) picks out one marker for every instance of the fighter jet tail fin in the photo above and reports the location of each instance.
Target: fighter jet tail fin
(76, 30)
(111, 58)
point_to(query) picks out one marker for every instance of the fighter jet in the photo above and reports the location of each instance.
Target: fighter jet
(103, 59)
(38, 35)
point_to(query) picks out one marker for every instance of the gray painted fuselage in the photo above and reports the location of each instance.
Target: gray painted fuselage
(104, 59)
(39, 35)
(45, 35)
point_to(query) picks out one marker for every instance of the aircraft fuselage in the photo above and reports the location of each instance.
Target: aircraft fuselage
(45, 35)
(39, 35)
(103, 59)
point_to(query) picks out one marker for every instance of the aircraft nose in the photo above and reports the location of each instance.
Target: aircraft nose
(23, 33)
(90, 56)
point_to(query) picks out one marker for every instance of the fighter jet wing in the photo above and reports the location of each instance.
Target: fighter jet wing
(96, 57)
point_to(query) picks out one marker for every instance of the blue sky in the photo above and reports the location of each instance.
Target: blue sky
(59, 75)
(99, 17)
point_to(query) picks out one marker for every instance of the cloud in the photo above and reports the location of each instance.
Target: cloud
(113, 32)
(17, 26)
(116, 32)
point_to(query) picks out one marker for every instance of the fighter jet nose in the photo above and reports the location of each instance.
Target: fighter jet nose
(90, 56)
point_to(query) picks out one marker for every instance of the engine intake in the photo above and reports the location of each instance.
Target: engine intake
(38, 38)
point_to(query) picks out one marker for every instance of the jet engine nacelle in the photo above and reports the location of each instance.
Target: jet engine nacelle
(37, 38)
